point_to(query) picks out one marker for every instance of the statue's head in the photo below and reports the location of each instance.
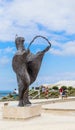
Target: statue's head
(19, 41)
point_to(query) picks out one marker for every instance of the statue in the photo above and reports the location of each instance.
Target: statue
(26, 66)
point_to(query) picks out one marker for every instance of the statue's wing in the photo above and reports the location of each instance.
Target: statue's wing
(33, 65)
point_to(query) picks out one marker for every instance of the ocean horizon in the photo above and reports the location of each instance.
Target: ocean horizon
(4, 93)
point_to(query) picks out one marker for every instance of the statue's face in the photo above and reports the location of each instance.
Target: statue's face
(20, 43)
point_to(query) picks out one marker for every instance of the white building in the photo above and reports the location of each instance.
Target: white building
(66, 83)
(59, 84)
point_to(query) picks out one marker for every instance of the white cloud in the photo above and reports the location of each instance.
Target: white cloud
(7, 50)
(4, 60)
(5, 55)
(21, 17)
(67, 49)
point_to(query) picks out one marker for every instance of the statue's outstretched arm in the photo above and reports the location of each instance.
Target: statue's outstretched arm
(46, 49)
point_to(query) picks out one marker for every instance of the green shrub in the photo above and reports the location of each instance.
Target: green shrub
(54, 94)
(55, 87)
(64, 87)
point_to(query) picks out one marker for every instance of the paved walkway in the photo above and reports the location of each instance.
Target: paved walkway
(69, 105)
(52, 100)
(50, 121)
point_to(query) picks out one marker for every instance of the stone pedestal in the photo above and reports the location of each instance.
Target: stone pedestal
(15, 112)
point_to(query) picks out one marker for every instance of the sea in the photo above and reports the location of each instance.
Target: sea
(4, 93)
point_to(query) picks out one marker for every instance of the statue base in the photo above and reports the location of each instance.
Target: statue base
(15, 112)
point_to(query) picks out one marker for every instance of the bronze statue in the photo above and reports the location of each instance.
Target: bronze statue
(26, 66)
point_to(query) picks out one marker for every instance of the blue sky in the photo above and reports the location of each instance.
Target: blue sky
(54, 19)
